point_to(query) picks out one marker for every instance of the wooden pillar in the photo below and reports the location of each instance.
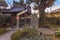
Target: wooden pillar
(12, 21)
(25, 17)
(18, 17)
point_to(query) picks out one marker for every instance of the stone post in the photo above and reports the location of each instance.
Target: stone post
(34, 21)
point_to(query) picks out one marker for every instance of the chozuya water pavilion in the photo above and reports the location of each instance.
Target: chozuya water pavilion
(15, 11)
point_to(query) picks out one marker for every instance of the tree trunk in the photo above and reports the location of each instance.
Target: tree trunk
(42, 16)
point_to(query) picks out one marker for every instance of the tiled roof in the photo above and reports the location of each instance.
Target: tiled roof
(14, 10)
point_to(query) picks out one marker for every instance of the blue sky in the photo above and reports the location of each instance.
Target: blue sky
(55, 6)
(56, 3)
(10, 2)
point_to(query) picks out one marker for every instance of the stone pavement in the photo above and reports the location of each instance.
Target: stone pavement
(6, 36)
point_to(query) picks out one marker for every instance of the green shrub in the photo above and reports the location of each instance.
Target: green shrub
(3, 30)
(58, 32)
(32, 33)
(51, 20)
(2, 20)
(27, 32)
(17, 35)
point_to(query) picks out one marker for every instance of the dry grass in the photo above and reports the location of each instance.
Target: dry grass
(53, 15)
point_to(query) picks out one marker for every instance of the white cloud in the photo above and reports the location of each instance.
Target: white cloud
(52, 8)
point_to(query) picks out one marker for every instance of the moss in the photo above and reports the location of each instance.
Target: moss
(27, 32)
(2, 20)
(3, 30)
(17, 35)
(32, 33)
(58, 32)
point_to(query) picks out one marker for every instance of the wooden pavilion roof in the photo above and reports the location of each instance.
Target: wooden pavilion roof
(13, 10)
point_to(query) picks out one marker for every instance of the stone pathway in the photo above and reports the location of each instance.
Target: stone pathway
(6, 36)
